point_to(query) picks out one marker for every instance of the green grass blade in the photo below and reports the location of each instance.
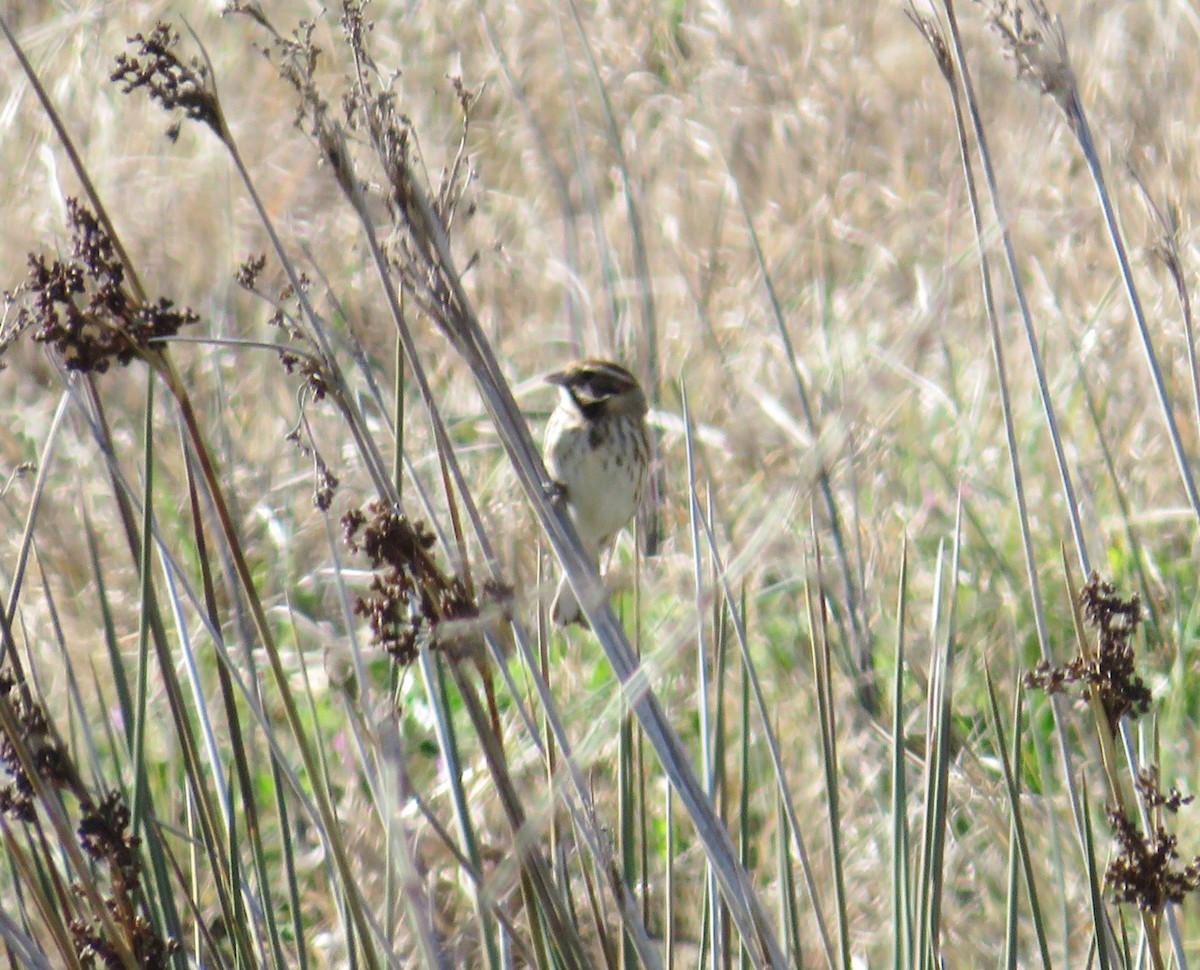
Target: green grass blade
(902, 921)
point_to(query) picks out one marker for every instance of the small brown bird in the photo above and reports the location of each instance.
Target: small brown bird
(597, 451)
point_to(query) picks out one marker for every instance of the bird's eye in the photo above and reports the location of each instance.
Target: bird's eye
(601, 385)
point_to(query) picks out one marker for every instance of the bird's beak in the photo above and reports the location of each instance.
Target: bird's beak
(558, 377)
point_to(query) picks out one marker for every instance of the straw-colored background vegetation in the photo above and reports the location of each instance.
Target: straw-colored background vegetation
(830, 123)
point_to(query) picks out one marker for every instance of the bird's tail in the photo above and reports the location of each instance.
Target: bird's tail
(565, 610)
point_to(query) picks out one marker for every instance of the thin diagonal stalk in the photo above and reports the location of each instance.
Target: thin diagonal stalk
(1066, 94)
(331, 828)
(1087, 144)
(636, 232)
(1167, 250)
(1009, 763)
(464, 332)
(827, 719)
(8, 650)
(1095, 891)
(998, 357)
(858, 624)
(562, 188)
(1010, 257)
(937, 760)
(769, 733)
(902, 920)
(707, 773)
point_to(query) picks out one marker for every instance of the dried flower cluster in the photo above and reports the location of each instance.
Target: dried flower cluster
(1144, 872)
(1037, 43)
(296, 57)
(45, 752)
(103, 835)
(325, 482)
(410, 596)
(149, 949)
(423, 215)
(932, 34)
(82, 307)
(177, 86)
(1110, 670)
(1153, 795)
(301, 356)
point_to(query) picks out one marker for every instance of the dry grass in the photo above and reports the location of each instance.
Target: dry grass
(831, 121)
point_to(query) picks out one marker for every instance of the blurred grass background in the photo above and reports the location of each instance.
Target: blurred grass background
(822, 129)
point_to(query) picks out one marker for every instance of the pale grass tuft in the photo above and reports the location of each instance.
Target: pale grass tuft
(1037, 43)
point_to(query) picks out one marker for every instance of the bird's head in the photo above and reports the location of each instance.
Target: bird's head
(600, 389)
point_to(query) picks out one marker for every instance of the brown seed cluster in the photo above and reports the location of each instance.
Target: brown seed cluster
(103, 835)
(46, 753)
(325, 482)
(149, 949)
(174, 84)
(300, 356)
(82, 307)
(1144, 873)
(1110, 670)
(410, 597)
(1153, 795)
